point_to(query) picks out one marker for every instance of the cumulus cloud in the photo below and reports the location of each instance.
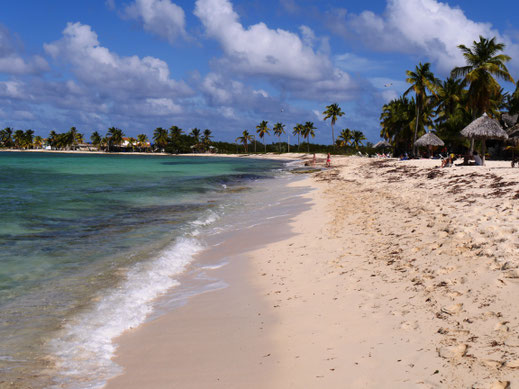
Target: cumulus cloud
(12, 60)
(425, 27)
(107, 72)
(259, 50)
(159, 17)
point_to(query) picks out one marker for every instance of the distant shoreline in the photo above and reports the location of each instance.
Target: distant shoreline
(283, 156)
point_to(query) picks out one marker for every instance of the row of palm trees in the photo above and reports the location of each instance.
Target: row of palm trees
(447, 106)
(113, 140)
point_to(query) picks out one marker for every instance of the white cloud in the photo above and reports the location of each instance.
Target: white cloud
(259, 50)
(426, 27)
(160, 17)
(11, 58)
(106, 72)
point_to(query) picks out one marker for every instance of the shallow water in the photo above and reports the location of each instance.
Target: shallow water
(88, 241)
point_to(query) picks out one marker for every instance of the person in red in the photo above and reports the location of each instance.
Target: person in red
(328, 160)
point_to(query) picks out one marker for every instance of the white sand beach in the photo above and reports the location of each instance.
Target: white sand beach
(399, 275)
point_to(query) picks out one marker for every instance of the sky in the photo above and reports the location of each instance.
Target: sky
(226, 65)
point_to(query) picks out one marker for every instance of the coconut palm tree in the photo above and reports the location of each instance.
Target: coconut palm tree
(114, 137)
(132, 142)
(142, 140)
(483, 63)
(421, 80)
(160, 137)
(279, 129)
(333, 111)
(396, 119)
(96, 139)
(195, 133)
(245, 139)
(262, 130)
(207, 136)
(6, 139)
(38, 142)
(308, 130)
(298, 130)
(28, 139)
(18, 139)
(345, 137)
(356, 138)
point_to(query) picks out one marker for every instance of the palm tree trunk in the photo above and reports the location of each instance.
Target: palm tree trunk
(483, 150)
(298, 142)
(416, 128)
(333, 137)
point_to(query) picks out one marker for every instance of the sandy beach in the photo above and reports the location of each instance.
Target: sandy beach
(393, 274)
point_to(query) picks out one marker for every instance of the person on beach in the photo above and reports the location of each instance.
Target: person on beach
(477, 159)
(328, 160)
(313, 160)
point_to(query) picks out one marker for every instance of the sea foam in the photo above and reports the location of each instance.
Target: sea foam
(85, 346)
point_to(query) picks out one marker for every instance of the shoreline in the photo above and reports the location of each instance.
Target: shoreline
(400, 274)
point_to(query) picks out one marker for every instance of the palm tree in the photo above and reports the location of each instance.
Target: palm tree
(345, 137)
(279, 129)
(245, 139)
(160, 137)
(356, 138)
(6, 137)
(261, 130)
(18, 138)
(195, 133)
(421, 80)
(175, 132)
(483, 62)
(52, 138)
(308, 130)
(207, 136)
(333, 111)
(298, 130)
(115, 137)
(142, 139)
(96, 139)
(38, 142)
(396, 121)
(27, 139)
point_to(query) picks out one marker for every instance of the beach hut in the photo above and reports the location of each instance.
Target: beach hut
(484, 128)
(429, 140)
(382, 144)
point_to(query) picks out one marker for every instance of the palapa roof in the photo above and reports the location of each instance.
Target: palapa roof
(484, 127)
(509, 120)
(429, 139)
(382, 143)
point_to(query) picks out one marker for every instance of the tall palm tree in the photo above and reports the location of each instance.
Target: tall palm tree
(262, 130)
(115, 137)
(38, 142)
(279, 129)
(27, 139)
(52, 139)
(298, 130)
(345, 137)
(131, 142)
(6, 139)
(421, 80)
(207, 136)
(142, 140)
(483, 63)
(160, 137)
(308, 130)
(356, 138)
(333, 111)
(396, 121)
(18, 138)
(96, 139)
(245, 139)
(195, 133)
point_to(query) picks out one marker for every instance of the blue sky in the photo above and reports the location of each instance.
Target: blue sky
(226, 65)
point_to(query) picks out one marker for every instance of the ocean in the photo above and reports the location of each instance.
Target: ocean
(88, 243)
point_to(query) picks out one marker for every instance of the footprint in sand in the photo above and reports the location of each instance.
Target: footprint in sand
(501, 385)
(453, 352)
(453, 309)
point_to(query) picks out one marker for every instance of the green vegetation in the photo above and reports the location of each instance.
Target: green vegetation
(448, 106)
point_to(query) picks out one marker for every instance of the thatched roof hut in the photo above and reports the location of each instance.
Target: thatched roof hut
(509, 120)
(381, 144)
(429, 139)
(484, 128)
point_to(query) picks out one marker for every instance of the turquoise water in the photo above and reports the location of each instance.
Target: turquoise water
(86, 241)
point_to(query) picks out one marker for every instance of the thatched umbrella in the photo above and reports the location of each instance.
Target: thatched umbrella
(429, 140)
(484, 128)
(382, 144)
